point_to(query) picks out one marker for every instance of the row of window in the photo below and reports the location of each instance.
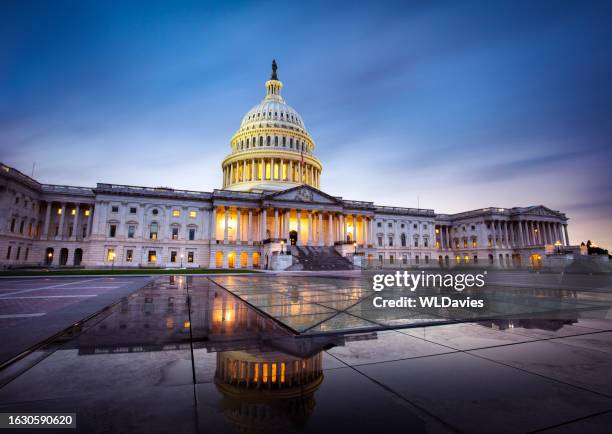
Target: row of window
(402, 225)
(151, 256)
(153, 232)
(283, 116)
(252, 143)
(73, 212)
(9, 251)
(403, 241)
(155, 211)
(26, 202)
(32, 230)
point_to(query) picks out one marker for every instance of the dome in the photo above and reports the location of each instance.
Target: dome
(271, 150)
(272, 111)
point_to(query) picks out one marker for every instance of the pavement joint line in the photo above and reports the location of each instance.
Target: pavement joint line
(398, 395)
(46, 341)
(470, 353)
(599, 413)
(22, 315)
(23, 291)
(25, 297)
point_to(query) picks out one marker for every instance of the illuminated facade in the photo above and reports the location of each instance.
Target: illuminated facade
(270, 199)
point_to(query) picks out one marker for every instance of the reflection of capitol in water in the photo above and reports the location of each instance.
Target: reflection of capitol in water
(267, 392)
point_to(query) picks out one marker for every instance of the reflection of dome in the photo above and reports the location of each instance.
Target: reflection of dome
(272, 149)
(267, 392)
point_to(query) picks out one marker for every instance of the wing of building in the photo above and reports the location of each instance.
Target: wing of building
(269, 205)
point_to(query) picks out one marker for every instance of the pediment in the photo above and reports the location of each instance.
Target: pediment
(541, 210)
(304, 193)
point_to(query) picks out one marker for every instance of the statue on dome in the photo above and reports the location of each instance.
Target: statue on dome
(274, 68)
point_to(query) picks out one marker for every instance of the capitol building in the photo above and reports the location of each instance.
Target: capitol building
(269, 213)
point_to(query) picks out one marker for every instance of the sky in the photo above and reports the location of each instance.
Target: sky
(445, 105)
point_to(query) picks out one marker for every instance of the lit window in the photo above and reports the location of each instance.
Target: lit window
(153, 232)
(176, 213)
(474, 243)
(87, 212)
(73, 212)
(152, 257)
(129, 255)
(190, 257)
(110, 255)
(193, 214)
(173, 256)
(59, 210)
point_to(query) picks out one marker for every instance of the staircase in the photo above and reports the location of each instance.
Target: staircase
(311, 258)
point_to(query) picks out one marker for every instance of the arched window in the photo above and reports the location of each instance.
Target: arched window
(403, 240)
(284, 141)
(275, 140)
(268, 141)
(291, 142)
(260, 140)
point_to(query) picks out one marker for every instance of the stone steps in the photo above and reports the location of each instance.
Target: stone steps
(315, 258)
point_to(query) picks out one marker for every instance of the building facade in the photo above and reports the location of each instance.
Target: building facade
(270, 199)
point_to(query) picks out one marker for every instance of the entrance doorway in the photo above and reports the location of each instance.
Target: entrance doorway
(293, 237)
(535, 260)
(78, 257)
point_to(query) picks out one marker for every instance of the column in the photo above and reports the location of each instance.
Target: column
(238, 234)
(549, 228)
(354, 218)
(231, 171)
(213, 225)
(567, 240)
(47, 219)
(263, 171)
(320, 229)
(226, 229)
(75, 224)
(264, 223)
(363, 230)
(299, 228)
(521, 235)
(343, 219)
(330, 229)
(558, 236)
(276, 223)
(61, 222)
(371, 230)
(506, 235)
(90, 216)
(250, 226)
(244, 177)
(286, 221)
(309, 227)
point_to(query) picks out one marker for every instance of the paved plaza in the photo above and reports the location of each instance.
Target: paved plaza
(282, 354)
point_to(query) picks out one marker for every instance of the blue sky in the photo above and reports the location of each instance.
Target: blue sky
(461, 104)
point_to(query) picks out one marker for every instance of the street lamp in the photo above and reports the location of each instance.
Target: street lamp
(50, 256)
(558, 246)
(182, 260)
(355, 249)
(113, 259)
(282, 247)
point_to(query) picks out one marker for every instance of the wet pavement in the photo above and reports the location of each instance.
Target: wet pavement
(194, 354)
(34, 309)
